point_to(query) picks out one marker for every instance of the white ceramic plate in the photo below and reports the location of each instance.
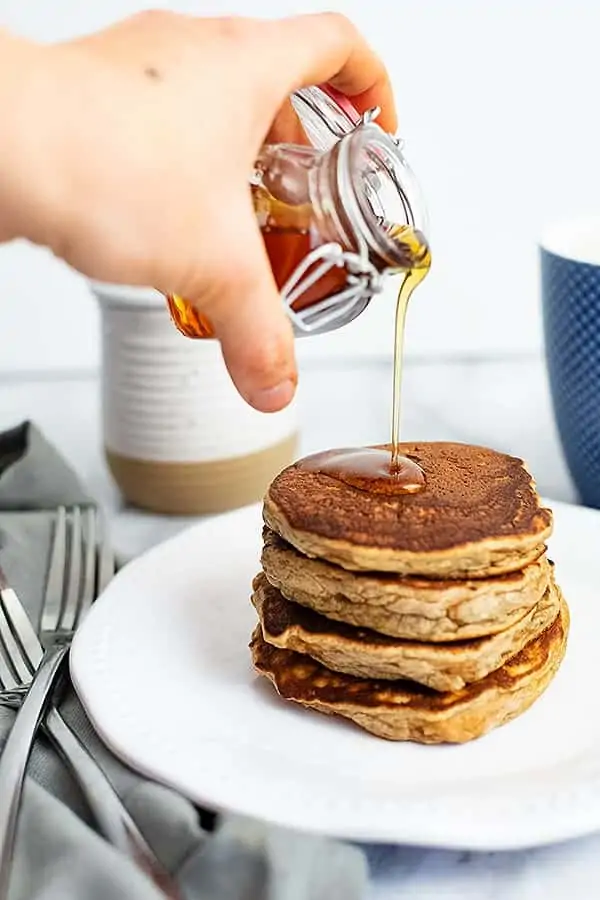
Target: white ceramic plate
(162, 667)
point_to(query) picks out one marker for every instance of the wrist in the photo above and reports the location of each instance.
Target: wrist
(23, 110)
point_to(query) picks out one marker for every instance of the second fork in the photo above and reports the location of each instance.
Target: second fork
(78, 571)
(81, 565)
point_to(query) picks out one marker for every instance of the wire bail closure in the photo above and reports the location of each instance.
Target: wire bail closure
(363, 282)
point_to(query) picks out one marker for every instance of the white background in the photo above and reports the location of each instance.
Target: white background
(498, 105)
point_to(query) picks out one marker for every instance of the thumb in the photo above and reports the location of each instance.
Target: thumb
(248, 316)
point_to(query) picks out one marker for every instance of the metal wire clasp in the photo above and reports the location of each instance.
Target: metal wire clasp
(363, 281)
(370, 115)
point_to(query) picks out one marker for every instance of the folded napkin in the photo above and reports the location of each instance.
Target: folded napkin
(59, 855)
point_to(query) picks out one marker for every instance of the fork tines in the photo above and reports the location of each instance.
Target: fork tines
(81, 564)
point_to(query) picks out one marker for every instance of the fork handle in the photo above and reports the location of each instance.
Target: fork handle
(17, 750)
(112, 818)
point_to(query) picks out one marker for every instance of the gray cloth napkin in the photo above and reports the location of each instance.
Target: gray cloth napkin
(59, 855)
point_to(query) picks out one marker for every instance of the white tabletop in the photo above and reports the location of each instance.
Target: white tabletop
(503, 404)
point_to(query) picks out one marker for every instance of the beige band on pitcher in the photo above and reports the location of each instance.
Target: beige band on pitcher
(200, 488)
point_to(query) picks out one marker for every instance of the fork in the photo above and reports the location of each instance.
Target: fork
(77, 573)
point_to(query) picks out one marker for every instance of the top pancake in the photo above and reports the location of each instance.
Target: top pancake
(478, 515)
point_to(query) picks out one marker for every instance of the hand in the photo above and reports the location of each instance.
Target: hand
(133, 154)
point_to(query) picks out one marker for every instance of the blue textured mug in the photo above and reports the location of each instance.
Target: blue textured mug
(570, 270)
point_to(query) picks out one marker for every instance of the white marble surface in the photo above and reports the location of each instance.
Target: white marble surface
(502, 403)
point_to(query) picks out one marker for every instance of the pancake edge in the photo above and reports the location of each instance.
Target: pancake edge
(456, 725)
(479, 559)
(433, 665)
(428, 610)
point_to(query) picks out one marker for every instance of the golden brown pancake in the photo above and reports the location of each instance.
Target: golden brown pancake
(414, 608)
(367, 654)
(403, 711)
(479, 515)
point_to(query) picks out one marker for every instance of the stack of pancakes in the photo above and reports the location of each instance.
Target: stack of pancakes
(429, 617)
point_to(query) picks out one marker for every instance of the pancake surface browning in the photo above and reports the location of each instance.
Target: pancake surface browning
(413, 608)
(367, 654)
(478, 515)
(403, 711)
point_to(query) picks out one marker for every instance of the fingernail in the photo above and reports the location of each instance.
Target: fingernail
(275, 398)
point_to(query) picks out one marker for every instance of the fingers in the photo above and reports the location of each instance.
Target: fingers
(286, 127)
(248, 316)
(327, 47)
